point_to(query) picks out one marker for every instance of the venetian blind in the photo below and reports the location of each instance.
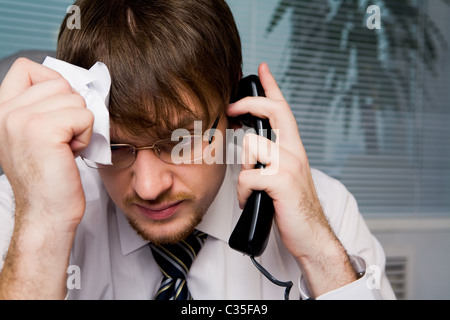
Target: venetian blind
(29, 24)
(371, 104)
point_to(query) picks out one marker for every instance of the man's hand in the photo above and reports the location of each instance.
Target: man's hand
(43, 125)
(287, 179)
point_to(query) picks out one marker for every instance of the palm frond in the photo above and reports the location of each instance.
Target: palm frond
(351, 61)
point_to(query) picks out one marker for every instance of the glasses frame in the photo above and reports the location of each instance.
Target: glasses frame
(212, 131)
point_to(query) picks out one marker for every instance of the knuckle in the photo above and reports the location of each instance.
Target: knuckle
(21, 63)
(62, 85)
(13, 121)
(18, 125)
(247, 157)
(280, 107)
(78, 100)
(246, 100)
(89, 117)
(249, 140)
(243, 177)
(34, 124)
(288, 177)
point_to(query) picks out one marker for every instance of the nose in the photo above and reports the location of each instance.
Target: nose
(151, 176)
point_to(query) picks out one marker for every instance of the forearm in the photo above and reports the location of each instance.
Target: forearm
(36, 264)
(330, 268)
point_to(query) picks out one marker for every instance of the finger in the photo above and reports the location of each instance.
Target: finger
(249, 181)
(257, 106)
(267, 107)
(23, 74)
(19, 117)
(41, 91)
(82, 139)
(258, 149)
(279, 114)
(55, 102)
(268, 82)
(272, 92)
(277, 111)
(273, 107)
(72, 125)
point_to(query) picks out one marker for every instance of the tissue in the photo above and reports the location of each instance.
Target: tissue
(94, 86)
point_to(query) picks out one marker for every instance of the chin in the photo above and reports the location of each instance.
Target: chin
(171, 230)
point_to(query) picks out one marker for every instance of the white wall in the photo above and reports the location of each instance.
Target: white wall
(425, 242)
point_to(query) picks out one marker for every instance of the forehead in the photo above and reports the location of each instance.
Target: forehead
(160, 117)
(120, 133)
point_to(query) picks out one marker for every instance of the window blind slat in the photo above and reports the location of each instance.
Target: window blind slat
(370, 111)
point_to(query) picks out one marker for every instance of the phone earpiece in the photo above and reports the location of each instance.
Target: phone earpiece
(251, 233)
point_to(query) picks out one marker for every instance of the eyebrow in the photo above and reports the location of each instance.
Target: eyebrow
(185, 123)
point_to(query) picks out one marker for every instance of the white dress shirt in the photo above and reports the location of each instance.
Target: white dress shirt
(116, 263)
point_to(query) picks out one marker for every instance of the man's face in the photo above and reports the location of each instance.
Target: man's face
(163, 202)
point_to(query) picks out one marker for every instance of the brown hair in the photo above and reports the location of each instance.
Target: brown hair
(162, 55)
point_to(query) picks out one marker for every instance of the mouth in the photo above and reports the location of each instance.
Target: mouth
(160, 211)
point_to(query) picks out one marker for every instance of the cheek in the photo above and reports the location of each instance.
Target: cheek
(201, 180)
(207, 180)
(116, 184)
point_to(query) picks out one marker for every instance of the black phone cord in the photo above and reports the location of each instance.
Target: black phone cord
(287, 284)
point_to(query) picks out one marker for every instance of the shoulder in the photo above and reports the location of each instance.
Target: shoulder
(339, 205)
(323, 181)
(331, 192)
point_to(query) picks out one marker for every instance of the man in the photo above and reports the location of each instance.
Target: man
(171, 63)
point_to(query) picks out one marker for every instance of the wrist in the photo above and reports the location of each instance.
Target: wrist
(328, 268)
(43, 242)
(46, 221)
(36, 263)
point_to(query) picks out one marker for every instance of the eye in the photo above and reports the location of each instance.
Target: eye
(119, 148)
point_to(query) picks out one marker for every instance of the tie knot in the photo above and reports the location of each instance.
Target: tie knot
(175, 260)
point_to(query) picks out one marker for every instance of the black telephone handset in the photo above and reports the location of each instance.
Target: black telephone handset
(251, 233)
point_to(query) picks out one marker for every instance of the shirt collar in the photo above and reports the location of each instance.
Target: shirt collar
(217, 222)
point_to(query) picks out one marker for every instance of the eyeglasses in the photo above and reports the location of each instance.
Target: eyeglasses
(183, 149)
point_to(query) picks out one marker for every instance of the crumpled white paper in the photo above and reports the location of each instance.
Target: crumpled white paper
(94, 86)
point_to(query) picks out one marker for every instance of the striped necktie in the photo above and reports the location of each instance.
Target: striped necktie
(174, 260)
